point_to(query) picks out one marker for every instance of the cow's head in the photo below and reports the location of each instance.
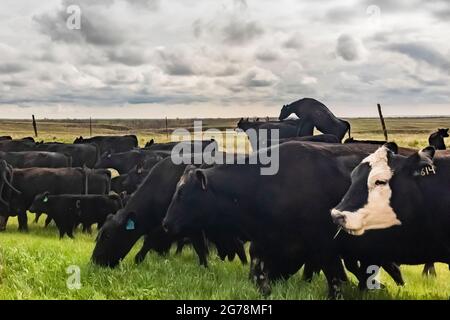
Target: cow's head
(443, 133)
(40, 203)
(384, 191)
(116, 238)
(134, 178)
(285, 112)
(106, 160)
(192, 204)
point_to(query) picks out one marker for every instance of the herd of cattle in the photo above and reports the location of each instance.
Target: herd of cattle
(331, 204)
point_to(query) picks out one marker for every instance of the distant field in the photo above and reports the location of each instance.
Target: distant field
(408, 132)
(33, 265)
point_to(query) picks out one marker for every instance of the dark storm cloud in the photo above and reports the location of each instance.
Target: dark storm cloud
(347, 48)
(421, 52)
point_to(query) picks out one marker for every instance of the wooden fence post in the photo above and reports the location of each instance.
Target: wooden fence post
(35, 126)
(383, 124)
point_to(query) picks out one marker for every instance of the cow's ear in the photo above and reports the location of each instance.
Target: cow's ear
(421, 163)
(201, 177)
(392, 147)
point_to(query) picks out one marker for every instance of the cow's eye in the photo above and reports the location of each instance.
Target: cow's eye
(380, 183)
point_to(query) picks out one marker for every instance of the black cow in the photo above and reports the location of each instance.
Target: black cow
(22, 185)
(285, 216)
(328, 138)
(69, 210)
(260, 134)
(377, 142)
(437, 139)
(82, 154)
(16, 145)
(42, 159)
(124, 162)
(2, 138)
(194, 145)
(316, 114)
(400, 200)
(113, 144)
(143, 215)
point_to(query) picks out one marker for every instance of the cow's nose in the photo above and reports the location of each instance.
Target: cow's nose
(338, 217)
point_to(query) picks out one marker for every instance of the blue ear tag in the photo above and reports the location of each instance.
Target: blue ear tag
(130, 225)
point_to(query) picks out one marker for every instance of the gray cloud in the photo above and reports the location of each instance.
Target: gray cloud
(267, 55)
(10, 68)
(238, 32)
(96, 28)
(421, 52)
(347, 48)
(176, 65)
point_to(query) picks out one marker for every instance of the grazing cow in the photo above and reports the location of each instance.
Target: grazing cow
(2, 138)
(20, 186)
(437, 139)
(82, 154)
(124, 162)
(113, 144)
(318, 115)
(285, 216)
(142, 216)
(392, 202)
(201, 145)
(42, 159)
(69, 210)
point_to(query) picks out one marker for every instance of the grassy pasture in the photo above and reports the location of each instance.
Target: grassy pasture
(33, 265)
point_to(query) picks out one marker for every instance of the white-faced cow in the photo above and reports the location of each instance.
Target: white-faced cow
(398, 207)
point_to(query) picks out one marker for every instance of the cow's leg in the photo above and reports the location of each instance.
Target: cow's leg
(3, 222)
(309, 270)
(36, 218)
(258, 272)
(429, 270)
(48, 220)
(146, 247)
(180, 246)
(333, 270)
(200, 248)
(240, 250)
(23, 221)
(393, 270)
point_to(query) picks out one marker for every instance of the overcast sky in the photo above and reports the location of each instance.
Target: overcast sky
(223, 58)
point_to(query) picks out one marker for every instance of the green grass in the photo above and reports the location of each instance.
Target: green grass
(33, 265)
